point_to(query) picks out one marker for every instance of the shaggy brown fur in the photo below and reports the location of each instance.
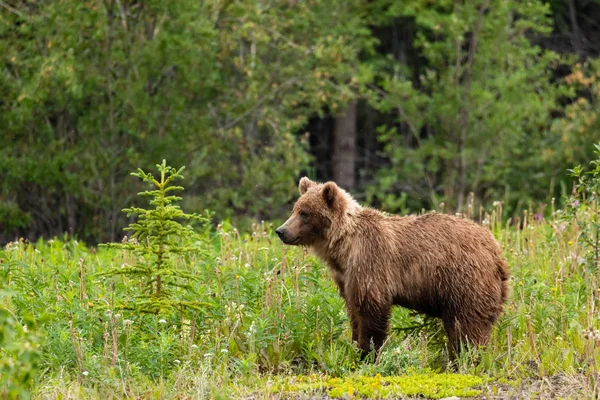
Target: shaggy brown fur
(437, 264)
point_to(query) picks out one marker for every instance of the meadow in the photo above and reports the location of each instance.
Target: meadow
(266, 321)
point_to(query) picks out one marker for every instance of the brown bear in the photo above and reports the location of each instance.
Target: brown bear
(437, 264)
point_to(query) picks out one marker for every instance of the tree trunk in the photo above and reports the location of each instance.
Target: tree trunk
(576, 37)
(465, 86)
(344, 147)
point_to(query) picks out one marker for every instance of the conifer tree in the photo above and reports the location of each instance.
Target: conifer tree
(158, 239)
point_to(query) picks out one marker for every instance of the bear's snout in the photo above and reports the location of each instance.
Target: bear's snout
(280, 232)
(284, 235)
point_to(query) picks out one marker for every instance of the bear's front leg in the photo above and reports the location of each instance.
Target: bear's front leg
(339, 280)
(372, 326)
(353, 323)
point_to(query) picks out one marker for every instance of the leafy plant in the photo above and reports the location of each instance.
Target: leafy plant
(160, 242)
(468, 115)
(20, 354)
(582, 206)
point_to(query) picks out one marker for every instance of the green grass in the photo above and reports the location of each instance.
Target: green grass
(274, 324)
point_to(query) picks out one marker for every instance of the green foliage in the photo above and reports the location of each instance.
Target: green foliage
(461, 97)
(581, 211)
(20, 353)
(158, 242)
(101, 87)
(474, 115)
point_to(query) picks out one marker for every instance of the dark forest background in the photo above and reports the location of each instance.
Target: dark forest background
(407, 104)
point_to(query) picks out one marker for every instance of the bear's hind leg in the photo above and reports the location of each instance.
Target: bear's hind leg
(462, 333)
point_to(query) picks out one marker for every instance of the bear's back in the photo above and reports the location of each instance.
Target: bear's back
(432, 259)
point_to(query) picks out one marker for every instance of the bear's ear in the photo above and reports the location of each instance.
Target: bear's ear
(304, 185)
(330, 194)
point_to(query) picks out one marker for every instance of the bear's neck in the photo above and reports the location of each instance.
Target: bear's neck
(341, 237)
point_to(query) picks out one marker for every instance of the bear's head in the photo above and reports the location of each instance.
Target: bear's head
(320, 207)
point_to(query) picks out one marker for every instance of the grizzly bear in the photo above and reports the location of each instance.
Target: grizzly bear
(440, 265)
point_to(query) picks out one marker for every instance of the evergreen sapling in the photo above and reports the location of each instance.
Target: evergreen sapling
(158, 240)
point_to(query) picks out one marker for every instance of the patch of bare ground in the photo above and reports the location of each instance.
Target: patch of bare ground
(559, 386)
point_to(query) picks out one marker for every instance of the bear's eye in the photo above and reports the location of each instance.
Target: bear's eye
(303, 214)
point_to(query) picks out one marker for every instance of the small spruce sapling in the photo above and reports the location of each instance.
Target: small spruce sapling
(157, 240)
(585, 200)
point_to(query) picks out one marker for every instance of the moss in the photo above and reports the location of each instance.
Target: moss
(430, 385)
